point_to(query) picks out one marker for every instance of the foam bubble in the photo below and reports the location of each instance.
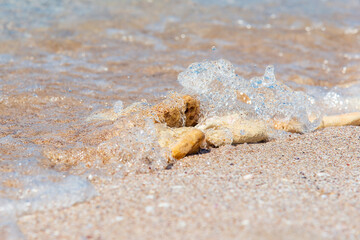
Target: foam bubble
(220, 90)
(136, 147)
(118, 106)
(338, 99)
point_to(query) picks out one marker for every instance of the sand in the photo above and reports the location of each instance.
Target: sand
(300, 187)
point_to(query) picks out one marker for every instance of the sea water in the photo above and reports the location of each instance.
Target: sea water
(64, 62)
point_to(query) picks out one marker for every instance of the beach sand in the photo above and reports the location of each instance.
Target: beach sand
(300, 187)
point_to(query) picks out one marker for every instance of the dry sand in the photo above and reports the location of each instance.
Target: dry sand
(302, 187)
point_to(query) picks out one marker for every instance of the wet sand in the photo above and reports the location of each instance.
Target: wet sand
(301, 187)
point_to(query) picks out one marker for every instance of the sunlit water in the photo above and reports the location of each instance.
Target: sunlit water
(63, 61)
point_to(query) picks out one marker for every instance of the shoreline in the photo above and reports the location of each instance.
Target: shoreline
(301, 187)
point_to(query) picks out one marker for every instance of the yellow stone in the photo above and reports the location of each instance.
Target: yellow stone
(243, 130)
(178, 111)
(189, 143)
(182, 141)
(175, 111)
(341, 120)
(293, 126)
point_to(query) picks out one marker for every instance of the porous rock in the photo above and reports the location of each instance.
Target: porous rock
(178, 111)
(293, 126)
(175, 111)
(218, 130)
(341, 120)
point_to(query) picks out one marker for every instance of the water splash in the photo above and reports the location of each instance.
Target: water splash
(222, 92)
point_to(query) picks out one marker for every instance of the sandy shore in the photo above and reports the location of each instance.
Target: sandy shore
(302, 187)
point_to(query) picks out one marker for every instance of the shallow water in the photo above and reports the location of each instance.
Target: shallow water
(63, 61)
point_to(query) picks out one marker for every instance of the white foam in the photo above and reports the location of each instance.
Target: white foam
(217, 85)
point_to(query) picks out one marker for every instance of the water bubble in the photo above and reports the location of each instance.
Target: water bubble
(269, 76)
(118, 106)
(222, 92)
(256, 82)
